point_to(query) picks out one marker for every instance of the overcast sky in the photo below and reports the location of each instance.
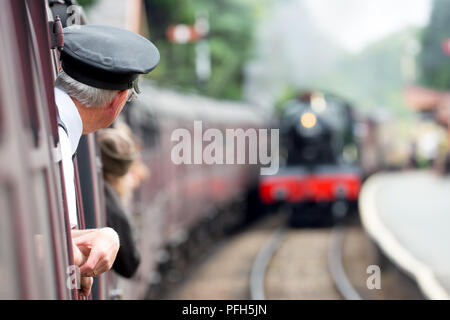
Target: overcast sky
(356, 23)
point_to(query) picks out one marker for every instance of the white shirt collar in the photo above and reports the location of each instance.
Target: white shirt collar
(68, 113)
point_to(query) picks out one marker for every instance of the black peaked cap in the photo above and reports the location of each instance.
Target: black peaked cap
(106, 57)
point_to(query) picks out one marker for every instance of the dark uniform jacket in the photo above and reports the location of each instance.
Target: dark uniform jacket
(128, 257)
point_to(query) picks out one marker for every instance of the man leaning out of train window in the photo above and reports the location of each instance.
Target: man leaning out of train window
(100, 69)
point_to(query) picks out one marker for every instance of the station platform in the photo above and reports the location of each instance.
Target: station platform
(408, 215)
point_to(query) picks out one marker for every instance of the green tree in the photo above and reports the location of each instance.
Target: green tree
(434, 63)
(86, 3)
(230, 41)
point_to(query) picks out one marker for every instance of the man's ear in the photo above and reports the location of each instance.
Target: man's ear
(119, 99)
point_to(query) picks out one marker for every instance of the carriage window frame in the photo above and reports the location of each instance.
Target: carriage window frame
(40, 172)
(44, 169)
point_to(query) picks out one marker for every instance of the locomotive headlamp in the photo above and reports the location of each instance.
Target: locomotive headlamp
(308, 120)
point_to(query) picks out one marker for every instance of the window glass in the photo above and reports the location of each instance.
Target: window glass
(42, 237)
(42, 232)
(8, 260)
(22, 29)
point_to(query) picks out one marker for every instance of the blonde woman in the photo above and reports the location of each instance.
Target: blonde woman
(119, 152)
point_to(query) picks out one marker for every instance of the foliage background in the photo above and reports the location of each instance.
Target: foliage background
(434, 64)
(230, 40)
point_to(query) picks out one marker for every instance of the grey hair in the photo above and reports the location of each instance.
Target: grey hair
(87, 95)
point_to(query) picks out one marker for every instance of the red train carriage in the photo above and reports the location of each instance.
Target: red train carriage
(182, 207)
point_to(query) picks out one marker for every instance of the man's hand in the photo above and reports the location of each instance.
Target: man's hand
(86, 285)
(85, 282)
(100, 246)
(78, 257)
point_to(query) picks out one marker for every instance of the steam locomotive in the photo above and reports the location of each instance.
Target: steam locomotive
(321, 178)
(178, 209)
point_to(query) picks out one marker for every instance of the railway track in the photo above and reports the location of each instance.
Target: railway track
(260, 264)
(272, 261)
(268, 252)
(336, 267)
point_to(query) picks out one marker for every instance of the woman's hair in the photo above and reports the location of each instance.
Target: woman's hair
(118, 151)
